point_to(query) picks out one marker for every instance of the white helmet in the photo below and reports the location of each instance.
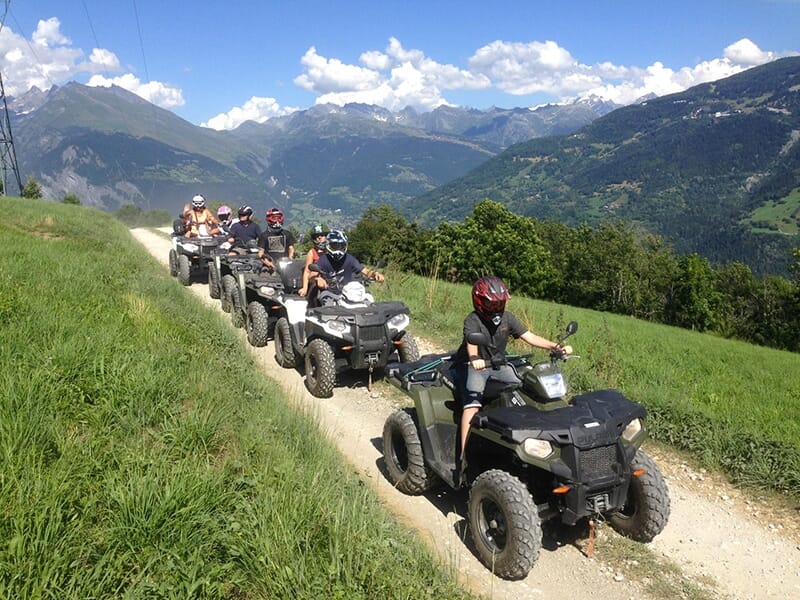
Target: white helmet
(198, 202)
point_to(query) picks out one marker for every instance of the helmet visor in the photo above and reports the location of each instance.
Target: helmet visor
(337, 246)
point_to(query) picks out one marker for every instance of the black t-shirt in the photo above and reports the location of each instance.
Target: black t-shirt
(276, 244)
(243, 232)
(509, 326)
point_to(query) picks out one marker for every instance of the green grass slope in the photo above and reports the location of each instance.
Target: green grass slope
(143, 455)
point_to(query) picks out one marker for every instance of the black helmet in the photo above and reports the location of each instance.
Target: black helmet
(319, 232)
(245, 211)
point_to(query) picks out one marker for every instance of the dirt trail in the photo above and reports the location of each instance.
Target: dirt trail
(748, 551)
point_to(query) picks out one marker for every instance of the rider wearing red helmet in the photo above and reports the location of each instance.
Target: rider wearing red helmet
(490, 317)
(276, 242)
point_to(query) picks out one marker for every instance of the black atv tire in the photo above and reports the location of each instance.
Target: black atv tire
(184, 270)
(238, 316)
(228, 281)
(646, 510)
(257, 324)
(402, 451)
(284, 350)
(408, 350)
(320, 368)
(173, 262)
(504, 524)
(214, 284)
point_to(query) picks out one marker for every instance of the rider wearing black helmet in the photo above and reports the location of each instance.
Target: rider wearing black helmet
(243, 231)
(490, 317)
(319, 242)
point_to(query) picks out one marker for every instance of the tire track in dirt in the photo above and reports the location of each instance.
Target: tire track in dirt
(710, 536)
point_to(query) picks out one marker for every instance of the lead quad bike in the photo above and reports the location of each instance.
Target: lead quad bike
(189, 257)
(347, 331)
(533, 453)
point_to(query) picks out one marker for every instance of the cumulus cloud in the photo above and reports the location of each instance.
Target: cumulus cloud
(256, 109)
(155, 92)
(394, 78)
(49, 59)
(397, 77)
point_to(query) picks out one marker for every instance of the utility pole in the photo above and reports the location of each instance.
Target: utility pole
(8, 157)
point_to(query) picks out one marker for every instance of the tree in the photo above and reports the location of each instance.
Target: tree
(383, 234)
(695, 301)
(32, 190)
(495, 241)
(70, 199)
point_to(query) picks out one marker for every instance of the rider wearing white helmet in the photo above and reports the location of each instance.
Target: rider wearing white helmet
(200, 220)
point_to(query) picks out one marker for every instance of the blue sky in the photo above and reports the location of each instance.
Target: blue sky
(220, 63)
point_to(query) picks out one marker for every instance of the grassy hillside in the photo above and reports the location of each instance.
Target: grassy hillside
(142, 454)
(734, 406)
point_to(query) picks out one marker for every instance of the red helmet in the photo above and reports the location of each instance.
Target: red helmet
(489, 296)
(275, 218)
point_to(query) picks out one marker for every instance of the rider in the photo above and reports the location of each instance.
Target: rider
(225, 218)
(319, 241)
(339, 265)
(243, 231)
(489, 296)
(200, 220)
(276, 242)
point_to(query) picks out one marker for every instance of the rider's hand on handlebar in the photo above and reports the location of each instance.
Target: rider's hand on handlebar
(561, 351)
(478, 364)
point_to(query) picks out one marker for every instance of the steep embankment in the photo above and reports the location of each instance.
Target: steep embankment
(744, 548)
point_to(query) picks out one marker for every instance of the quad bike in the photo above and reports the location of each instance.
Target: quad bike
(259, 299)
(347, 331)
(223, 270)
(533, 453)
(189, 257)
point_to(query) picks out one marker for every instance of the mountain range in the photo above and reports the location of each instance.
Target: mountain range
(109, 147)
(714, 169)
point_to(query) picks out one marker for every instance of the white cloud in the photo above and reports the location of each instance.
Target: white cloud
(326, 76)
(155, 92)
(746, 53)
(394, 79)
(49, 59)
(256, 109)
(48, 33)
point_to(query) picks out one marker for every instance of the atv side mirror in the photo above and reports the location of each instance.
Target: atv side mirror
(380, 264)
(314, 268)
(572, 327)
(478, 339)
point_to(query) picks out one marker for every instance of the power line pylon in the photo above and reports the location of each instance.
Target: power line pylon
(8, 156)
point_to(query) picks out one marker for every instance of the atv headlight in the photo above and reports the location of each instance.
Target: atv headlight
(537, 448)
(398, 322)
(267, 290)
(633, 430)
(337, 328)
(189, 247)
